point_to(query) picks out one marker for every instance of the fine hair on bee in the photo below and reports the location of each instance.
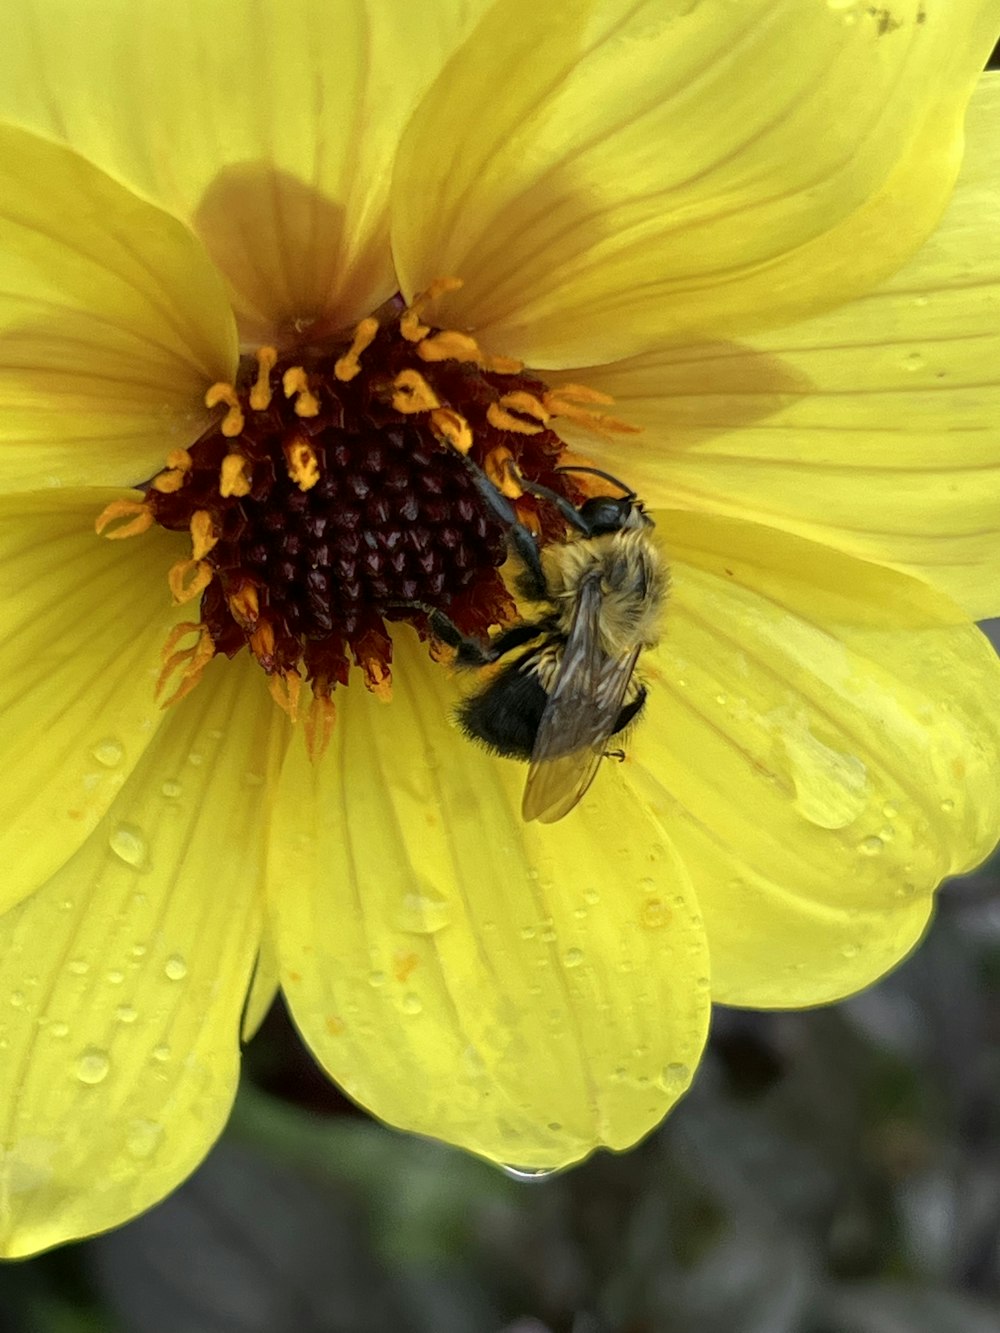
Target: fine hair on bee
(566, 682)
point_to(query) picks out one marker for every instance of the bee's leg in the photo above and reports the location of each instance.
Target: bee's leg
(523, 543)
(569, 511)
(468, 651)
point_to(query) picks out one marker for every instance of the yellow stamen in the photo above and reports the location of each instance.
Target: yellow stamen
(301, 461)
(203, 534)
(262, 644)
(234, 475)
(499, 467)
(232, 422)
(453, 428)
(196, 658)
(319, 721)
(504, 365)
(569, 401)
(378, 678)
(413, 393)
(245, 606)
(503, 420)
(180, 459)
(349, 364)
(519, 401)
(187, 579)
(450, 345)
(168, 482)
(285, 690)
(295, 382)
(142, 519)
(261, 393)
(409, 323)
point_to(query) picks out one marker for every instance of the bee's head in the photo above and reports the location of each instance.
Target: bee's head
(606, 513)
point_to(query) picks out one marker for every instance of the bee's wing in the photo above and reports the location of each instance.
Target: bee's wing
(583, 705)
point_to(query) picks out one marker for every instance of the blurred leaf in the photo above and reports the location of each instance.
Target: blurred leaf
(882, 1307)
(246, 1246)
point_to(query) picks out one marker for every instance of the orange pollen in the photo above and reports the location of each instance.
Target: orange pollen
(339, 489)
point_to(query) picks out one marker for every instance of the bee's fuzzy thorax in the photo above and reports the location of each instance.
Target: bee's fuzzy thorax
(635, 580)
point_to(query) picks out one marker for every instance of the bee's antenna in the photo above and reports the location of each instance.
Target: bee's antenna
(628, 492)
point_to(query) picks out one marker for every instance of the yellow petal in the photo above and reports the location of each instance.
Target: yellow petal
(270, 127)
(263, 989)
(824, 747)
(527, 992)
(875, 428)
(124, 978)
(113, 323)
(82, 625)
(606, 181)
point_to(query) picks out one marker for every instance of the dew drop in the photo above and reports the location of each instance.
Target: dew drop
(591, 897)
(675, 1076)
(947, 806)
(655, 913)
(175, 967)
(109, 752)
(913, 361)
(161, 1053)
(92, 1065)
(890, 809)
(850, 950)
(527, 932)
(377, 979)
(115, 976)
(872, 846)
(143, 1137)
(703, 983)
(548, 935)
(66, 905)
(17, 999)
(59, 1029)
(138, 951)
(78, 966)
(527, 1172)
(129, 845)
(412, 1004)
(171, 790)
(126, 1013)
(573, 957)
(195, 759)
(423, 913)
(831, 788)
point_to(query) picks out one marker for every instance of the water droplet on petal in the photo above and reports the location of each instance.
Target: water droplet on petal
(675, 1076)
(947, 806)
(423, 913)
(527, 1172)
(913, 361)
(171, 790)
(655, 913)
(17, 999)
(412, 1004)
(377, 979)
(78, 966)
(195, 759)
(850, 950)
(143, 1137)
(126, 1013)
(129, 845)
(831, 788)
(573, 957)
(109, 752)
(115, 976)
(161, 1053)
(92, 1065)
(890, 809)
(870, 846)
(175, 967)
(59, 1029)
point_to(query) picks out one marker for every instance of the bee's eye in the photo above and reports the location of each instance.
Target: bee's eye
(605, 514)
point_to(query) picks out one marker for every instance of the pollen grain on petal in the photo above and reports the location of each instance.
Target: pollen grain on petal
(234, 421)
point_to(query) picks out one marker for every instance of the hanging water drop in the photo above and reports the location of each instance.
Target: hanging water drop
(129, 845)
(175, 967)
(92, 1065)
(109, 752)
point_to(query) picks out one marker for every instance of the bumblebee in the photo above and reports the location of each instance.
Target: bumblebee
(566, 685)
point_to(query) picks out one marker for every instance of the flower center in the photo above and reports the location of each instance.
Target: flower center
(336, 493)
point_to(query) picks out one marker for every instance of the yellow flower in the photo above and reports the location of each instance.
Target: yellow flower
(681, 204)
